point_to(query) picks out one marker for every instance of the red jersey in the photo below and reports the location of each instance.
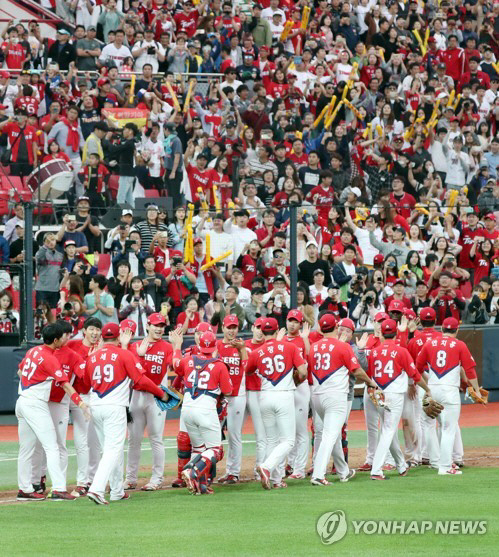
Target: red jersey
(372, 342)
(15, 55)
(187, 22)
(404, 204)
(454, 60)
(329, 364)
(253, 382)
(338, 249)
(231, 357)
(299, 343)
(322, 199)
(443, 357)
(466, 241)
(70, 363)
(389, 365)
(156, 360)
(198, 179)
(13, 130)
(329, 235)
(482, 266)
(193, 323)
(83, 350)
(298, 161)
(38, 369)
(274, 362)
(205, 379)
(419, 340)
(110, 370)
(404, 300)
(490, 235)
(176, 287)
(30, 104)
(446, 305)
(248, 267)
(163, 258)
(314, 336)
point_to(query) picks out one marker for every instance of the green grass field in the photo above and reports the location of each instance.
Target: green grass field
(246, 520)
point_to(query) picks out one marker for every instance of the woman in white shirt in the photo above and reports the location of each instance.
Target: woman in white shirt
(416, 241)
(137, 306)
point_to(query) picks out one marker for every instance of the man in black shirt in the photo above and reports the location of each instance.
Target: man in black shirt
(16, 252)
(124, 154)
(154, 283)
(307, 267)
(88, 224)
(310, 175)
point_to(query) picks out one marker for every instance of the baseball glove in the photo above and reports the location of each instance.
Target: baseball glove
(480, 397)
(431, 407)
(173, 402)
(378, 398)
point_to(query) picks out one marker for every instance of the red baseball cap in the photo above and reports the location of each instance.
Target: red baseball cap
(346, 322)
(197, 240)
(450, 324)
(389, 326)
(259, 321)
(5, 75)
(399, 281)
(428, 314)
(396, 305)
(409, 313)
(269, 325)
(110, 330)
(295, 314)
(381, 316)
(327, 322)
(231, 321)
(128, 324)
(3, 107)
(207, 343)
(378, 259)
(102, 81)
(204, 327)
(490, 216)
(156, 319)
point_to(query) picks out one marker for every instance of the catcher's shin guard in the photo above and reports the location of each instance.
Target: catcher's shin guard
(184, 450)
(344, 441)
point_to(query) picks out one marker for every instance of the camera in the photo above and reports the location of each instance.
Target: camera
(39, 312)
(68, 306)
(136, 298)
(151, 50)
(128, 245)
(177, 260)
(369, 300)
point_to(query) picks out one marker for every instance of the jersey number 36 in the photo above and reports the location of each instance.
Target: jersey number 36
(273, 365)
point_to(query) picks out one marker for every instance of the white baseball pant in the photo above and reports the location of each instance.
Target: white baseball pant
(298, 457)
(410, 429)
(339, 444)
(332, 408)
(253, 405)
(371, 416)
(145, 413)
(35, 422)
(59, 412)
(87, 445)
(278, 415)
(203, 427)
(110, 424)
(388, 439)
(236, 408)
(458, 449)
(448, 422)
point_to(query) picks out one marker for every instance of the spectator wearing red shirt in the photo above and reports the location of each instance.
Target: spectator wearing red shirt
(322, 197)
(468, 232)
(186, 20)
(248, 262)
(454, 58)
(474, 73)
(490, 231)
(14, 52)
(481, 255)
(23, 144)
(298, 156)
(265, 232)
(398, 295)
(346, 239)
(199, 175)
(28, 101)
(447, 301)
(402, 201)
(190, 318)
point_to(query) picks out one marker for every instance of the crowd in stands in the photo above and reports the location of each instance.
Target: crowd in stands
(377, 119)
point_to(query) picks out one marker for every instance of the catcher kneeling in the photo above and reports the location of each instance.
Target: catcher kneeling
(206, 379)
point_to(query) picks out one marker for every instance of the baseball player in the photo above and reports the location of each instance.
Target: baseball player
(184, 447)
(298, 457)
(58, 404)
(87, 446)
(206, 378)
(38, 369)
(155, 356)
(444, 357)
(330, 362)
(276, 362)
(232, 351)
(110, 370)
(390, 365)
(253, 387)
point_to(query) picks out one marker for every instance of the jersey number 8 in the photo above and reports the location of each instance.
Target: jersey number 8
(441, 358)
(106, 375)
(273, 365)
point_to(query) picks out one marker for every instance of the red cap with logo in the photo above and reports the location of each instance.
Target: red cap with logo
(396, 305)
(346, 322)
(428, 314)
(381, 316)
(269, 325)
(327, 322)
(156, 319)
(450, 324)
(409, 313)
(110, 330)
(207, 343)
(128, 324)
(203, 328)
(389, 326)
(295, 314)
(259, 322)
(231, 321)
(378, 259)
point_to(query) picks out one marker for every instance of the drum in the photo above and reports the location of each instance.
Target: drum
(54, 177)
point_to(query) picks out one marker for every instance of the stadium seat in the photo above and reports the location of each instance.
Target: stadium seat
(151, 193)
(113, 185)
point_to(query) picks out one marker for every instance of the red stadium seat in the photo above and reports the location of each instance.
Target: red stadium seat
(113, 185)
(151, 193)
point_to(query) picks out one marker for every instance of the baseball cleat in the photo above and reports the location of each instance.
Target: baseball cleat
(43, 481)
(451, 472)
(151, 487)
(333, 471)
(124, 498)
(425, 461)
(97, 499)
(79, 491)
(223, 479)
(317, 481)
(378, 477)
(458, 464)
(38, 488)
(205, 489)
(348, 477)
(280, 485)
(129, 485)
(297, 476)
(310, 471)
(191, 481)
(61, 496)
(179, 482)
(33, 496)
(412, 464)
(288, 470)
(366, 467)
(264, 477)
(388, 467)
(231, 479)
(404, 473)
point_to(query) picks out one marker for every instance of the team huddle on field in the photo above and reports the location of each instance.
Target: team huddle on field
(278, 376)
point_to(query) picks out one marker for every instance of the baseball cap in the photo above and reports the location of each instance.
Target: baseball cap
(110, 330)
(327, 322)
(20, 224)
(278, 278)
(378, 259)
(102, 81)
(428, 314)
(126, 212)
(231, 321)
(269, 325)
(346, 322)
(207, 342)
(156, 319)
(259, 322)
(389, 326)
(396, 305)
(197, 240)
(5, 75)
(128, 324)
(318, 272)
(399, 281)
(204, 327)
(450, 324)
(311, 243)
(490, 216)
(69, 243)
(3, 107)
(356, 191)
(295, 314)
(381, 316)
(409, 313)
(441, 66)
